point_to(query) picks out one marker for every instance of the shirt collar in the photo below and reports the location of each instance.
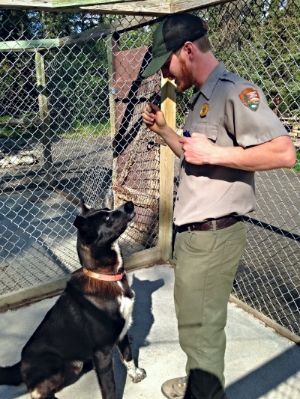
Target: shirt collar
(210, 82)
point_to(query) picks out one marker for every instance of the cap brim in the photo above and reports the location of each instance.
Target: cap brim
(155, 64)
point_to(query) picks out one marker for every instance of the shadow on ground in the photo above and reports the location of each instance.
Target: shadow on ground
(265, 381)
(143, 320)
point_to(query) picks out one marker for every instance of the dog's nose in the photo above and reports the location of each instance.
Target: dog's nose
(129, 207)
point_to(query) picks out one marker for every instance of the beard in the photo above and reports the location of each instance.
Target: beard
(184, 80)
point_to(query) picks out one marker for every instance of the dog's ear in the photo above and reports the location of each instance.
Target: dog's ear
(80, 223)
(87, 235)
(84, 208)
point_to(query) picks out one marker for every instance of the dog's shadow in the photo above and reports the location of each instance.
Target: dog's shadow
(142, 322)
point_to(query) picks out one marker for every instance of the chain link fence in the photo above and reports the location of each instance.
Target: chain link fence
(70, 127)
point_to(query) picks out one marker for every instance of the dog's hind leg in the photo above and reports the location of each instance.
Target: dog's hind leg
(135, 373)
(44, 374)
(45, 397)
(76, 369)
(36, 394)
(46, 390)
(103, 361)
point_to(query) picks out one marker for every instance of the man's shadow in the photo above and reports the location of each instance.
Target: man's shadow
(142, 321)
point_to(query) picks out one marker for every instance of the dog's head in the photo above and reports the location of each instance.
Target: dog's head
(103, 226)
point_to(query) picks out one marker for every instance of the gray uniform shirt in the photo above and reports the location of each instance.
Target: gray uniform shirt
(234, 112)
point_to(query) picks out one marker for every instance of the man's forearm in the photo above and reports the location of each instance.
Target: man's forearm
(277, 153)
(172, 140)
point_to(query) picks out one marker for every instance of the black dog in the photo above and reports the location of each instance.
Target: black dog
(89, 318)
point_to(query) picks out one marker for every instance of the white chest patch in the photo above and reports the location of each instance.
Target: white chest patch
(115, 246)
(126, 306)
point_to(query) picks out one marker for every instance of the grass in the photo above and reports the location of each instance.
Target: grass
(77, 131)
(84, 130)
(17, 132)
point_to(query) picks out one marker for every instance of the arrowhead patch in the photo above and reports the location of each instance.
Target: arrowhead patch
(250, 98)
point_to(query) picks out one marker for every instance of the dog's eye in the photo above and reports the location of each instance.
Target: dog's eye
(106, 218)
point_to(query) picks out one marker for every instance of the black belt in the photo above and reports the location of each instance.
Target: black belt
(221, 223)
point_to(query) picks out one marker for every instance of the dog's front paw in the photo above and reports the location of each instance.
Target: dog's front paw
(140, 374)
(135, 373)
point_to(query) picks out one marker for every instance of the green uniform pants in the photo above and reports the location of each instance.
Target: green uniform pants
(205, 266)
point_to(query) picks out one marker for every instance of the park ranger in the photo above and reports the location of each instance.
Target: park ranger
(230, 132)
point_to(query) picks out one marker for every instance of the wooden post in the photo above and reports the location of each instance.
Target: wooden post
(44, 115)
(112, 46)
(168, 107)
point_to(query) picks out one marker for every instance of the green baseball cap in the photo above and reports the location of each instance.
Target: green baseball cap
(170, 35)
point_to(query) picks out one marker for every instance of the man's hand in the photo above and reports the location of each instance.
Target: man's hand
(154, 119)
(197, 149)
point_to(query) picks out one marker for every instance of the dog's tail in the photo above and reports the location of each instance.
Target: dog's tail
(11, 375)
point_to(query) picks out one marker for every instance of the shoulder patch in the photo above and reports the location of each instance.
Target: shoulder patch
(250, 98)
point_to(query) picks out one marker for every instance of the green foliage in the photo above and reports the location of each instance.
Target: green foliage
(137, 37)
(59, 24)
(257, 39)
(17, 84)
(297, 165)
(14, 24)
(76, 78)
(19, 131)
(78, 86)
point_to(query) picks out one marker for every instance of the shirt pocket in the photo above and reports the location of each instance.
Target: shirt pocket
(209, 129)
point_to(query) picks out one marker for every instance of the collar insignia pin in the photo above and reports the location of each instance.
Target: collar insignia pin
(204, 110)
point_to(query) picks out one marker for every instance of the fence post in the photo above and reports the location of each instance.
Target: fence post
(44, 115)
(112, 46)
(168, 107)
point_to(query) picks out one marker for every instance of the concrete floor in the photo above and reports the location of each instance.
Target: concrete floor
(259, 362)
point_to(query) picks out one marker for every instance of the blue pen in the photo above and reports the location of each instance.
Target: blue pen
(186, 134)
